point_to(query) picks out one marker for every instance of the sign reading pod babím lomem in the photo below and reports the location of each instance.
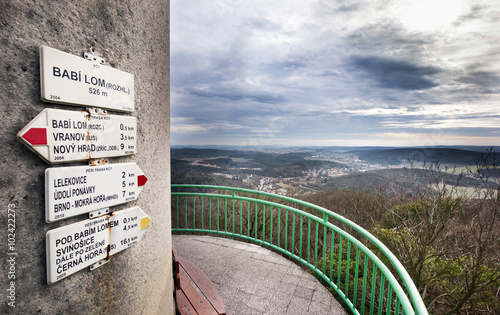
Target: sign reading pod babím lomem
(73, 247)
(71, 191)
(73, 80)
(60, 136)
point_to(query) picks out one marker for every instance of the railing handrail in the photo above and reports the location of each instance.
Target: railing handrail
(418, 304)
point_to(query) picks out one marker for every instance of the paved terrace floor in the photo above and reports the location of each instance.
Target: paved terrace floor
(255, 280)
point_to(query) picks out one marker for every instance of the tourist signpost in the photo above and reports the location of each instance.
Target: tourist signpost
(71, 191)
(73, 247)
(72, 80)
(60, 136)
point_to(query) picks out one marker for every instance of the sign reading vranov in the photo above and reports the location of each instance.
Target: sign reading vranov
(70, 191)
(76, 246)
(73, 80)
(60, 136)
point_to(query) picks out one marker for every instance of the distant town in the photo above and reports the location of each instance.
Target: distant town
(286, 171)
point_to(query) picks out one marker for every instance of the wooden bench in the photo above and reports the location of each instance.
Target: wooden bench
(194, 292)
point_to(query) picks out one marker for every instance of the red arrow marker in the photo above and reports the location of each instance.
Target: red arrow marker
(36, 136)
(141, 180)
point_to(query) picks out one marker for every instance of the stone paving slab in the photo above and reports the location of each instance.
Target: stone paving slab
(254, 280)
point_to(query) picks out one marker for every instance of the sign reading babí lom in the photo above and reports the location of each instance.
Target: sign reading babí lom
(73, 80)
(73, 247)
(70, 191)
(60, 136)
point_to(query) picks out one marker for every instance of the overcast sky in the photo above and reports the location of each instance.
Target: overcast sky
(326, 72)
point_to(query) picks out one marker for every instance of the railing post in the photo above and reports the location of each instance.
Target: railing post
(286, 230)
(264, 222)
(325, 219)
(233, 195)
(271, 227)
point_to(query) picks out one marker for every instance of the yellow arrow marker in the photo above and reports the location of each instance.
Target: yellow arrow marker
(145, 222)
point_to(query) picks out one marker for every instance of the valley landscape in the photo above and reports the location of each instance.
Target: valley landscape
(298, 170)
(436, 208)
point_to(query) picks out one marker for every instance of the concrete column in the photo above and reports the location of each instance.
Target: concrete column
(132, 36)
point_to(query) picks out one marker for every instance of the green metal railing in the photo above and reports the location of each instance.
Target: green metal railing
(309, 234)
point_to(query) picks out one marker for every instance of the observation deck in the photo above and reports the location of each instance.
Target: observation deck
(254, 280)
(364, 275)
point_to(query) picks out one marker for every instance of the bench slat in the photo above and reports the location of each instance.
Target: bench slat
(183, 304)
(195, 292)
(204, 284)
(192, 292)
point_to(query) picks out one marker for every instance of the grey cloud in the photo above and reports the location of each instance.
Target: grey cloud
(348, 8)
(248, 64)
(476, 11)
(263, 24)
(237, 94)
(387, 36)
(396, 74)
(330, 73)
(286, 65)
(488, 82)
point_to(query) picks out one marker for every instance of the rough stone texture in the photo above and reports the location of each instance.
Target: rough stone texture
(132, 36)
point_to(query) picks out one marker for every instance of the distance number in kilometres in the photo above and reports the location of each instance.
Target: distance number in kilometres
(129, 227)
(130, 223)
(125, 137)
(129, 240)
(126, 128)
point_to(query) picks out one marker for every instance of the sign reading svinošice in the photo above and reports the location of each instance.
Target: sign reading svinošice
(60, 136)
(73, 80)
(73, 247)
(70, 191)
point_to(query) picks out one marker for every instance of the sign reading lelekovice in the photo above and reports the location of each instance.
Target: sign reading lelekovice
(76, 246)
(73, 80)
(60, 136)
(71, 191)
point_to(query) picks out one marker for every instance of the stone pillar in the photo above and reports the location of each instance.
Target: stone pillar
(133, 36)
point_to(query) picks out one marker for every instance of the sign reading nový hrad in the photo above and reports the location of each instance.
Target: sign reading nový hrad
(73, 80)
(73, 247)
(70, 191)
(60, 136)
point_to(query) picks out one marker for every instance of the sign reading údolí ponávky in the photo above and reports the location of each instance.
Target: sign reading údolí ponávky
(71, 191)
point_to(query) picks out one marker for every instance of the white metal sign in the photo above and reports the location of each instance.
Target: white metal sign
(76, 246)
(73, 247)
(60, 136)
(71, 191)
(73, 80)
(130, 226)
